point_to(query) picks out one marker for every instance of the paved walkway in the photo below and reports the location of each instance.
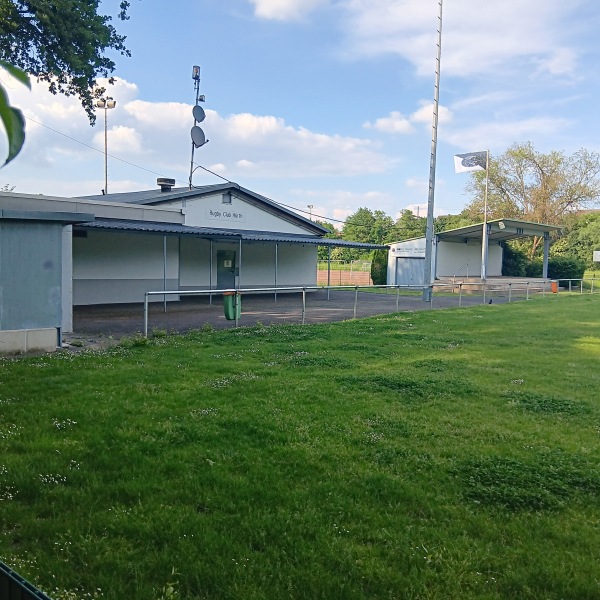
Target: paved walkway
(116, 320)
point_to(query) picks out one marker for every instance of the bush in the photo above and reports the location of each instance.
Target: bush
(379, 267)
(559, 267)
(514, 262)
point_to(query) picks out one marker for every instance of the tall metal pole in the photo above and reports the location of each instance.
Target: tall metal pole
(430, 201)
(106, 103)
(484, 237)
(105, 151)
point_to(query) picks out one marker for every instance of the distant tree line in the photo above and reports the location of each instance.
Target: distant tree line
(524, 184)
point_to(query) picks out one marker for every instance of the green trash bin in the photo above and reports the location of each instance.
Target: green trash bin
(232, 303)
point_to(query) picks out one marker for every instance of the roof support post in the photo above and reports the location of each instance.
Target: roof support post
(276, 261)
(546, 253)
(328, 269)
(164, 272)
(210, 273)
(239, 270)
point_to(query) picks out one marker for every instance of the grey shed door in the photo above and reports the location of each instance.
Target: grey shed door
(410, 271)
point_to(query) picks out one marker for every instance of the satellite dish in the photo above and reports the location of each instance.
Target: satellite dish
(198, 113)
(198, 136)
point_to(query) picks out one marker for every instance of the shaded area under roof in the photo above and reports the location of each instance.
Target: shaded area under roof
(499, 230)
(220, 234)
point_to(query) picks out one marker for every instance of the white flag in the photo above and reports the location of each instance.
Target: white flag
(473, 161)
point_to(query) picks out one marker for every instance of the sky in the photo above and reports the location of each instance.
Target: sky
(321, 103)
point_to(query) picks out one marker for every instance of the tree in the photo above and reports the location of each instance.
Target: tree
(369, 227)
(333, 234)
(580, 238)
(409, 226)
(63, 43)
(545, 188)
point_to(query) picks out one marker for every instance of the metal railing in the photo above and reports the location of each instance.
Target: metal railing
(581, 281)
(14, 587)
(457, 272)
(303, 289)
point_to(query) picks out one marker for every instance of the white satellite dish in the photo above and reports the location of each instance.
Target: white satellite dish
(199, 114)
(198, 136)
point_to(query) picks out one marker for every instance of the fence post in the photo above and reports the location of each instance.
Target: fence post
(397, 297)
(570, 285)
(355, 300)
(303, 304)
(592, 288)
(527, 288)
(509, 291)
(235, 306)
(460, 293)
(581, 287)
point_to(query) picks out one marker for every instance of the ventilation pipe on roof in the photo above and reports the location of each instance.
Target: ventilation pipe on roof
(165, 184)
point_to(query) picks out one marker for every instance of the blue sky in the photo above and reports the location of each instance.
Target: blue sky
(323, 102)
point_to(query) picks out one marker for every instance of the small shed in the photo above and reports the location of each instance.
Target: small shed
(33, 277)
(459, 252)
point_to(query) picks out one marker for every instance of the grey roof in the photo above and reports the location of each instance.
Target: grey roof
(499, 230)
(156, 196)
(223, 234)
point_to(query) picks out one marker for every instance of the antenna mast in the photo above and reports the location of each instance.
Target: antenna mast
(198, 138)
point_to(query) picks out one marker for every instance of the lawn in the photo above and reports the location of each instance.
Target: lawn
(431, 455)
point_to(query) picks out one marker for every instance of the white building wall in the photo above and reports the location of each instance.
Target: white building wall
(407, 249)
(110, 267)
(194, 268)
(210, 211)
(449, 258)
(454, 258)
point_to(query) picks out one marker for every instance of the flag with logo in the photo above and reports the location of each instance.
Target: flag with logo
(472, 161)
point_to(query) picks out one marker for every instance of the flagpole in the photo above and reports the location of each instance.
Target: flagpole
(428, 275)
(484, 237)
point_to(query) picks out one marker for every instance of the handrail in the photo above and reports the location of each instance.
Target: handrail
(457, 272)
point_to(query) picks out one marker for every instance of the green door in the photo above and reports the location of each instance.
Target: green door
(225, 269)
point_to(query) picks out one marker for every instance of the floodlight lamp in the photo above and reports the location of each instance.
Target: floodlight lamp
(196, 73)
(110, 103)
(501, 225)
(101, 103)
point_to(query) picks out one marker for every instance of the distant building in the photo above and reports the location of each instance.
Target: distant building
(458, 252)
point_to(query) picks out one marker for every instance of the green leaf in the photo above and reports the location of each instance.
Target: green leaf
(17, 73)
(14, 123)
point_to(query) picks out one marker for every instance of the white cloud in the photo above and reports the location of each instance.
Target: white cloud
(425, 114)
(285, 10)
(498, 135)
(475, 40)
(394, 123)
(156, 136)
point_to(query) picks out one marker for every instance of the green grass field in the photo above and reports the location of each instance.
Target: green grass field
(432, 455)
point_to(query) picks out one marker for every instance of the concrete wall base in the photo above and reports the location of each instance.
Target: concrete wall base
(21, 341)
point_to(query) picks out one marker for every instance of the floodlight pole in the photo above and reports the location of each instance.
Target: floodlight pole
(106, 103)
(429, 234)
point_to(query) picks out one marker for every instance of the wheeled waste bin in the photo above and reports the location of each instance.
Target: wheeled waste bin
(232, 303)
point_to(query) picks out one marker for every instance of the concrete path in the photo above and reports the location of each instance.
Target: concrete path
(116, 320)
